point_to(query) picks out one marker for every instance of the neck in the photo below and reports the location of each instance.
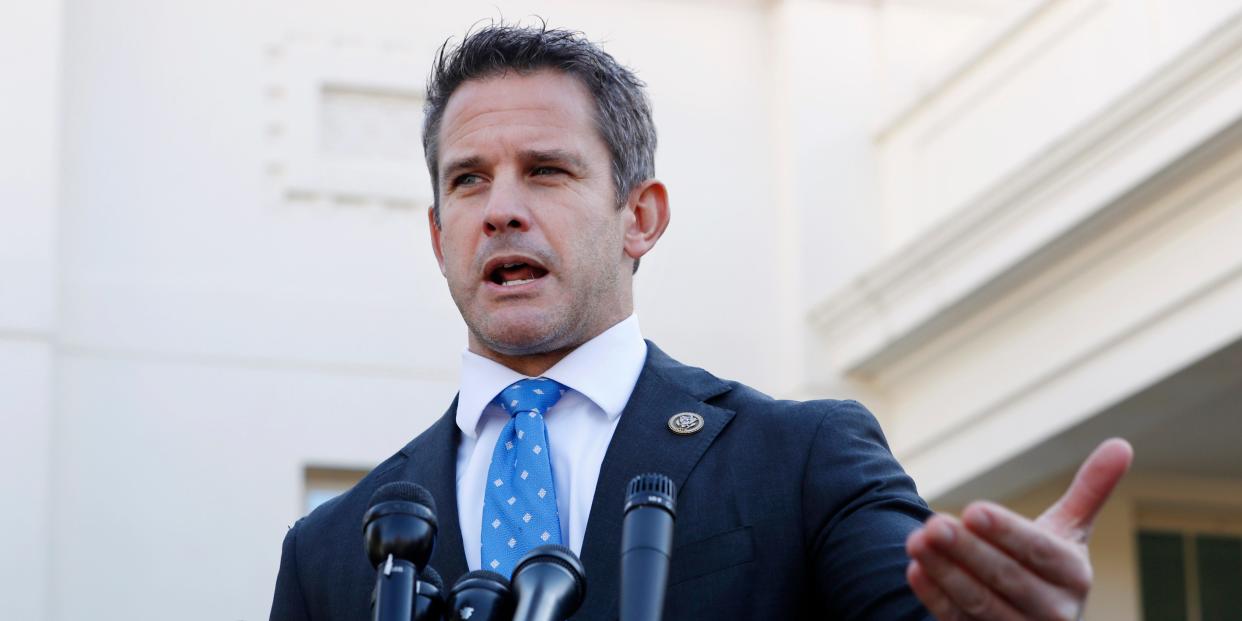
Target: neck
(531, 364)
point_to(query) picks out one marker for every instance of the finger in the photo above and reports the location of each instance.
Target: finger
(968, 595)
(1053, 558)
(937, 603)
(999, 572)
(1072, 515)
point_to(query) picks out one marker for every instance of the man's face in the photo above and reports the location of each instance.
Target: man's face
(531, 240)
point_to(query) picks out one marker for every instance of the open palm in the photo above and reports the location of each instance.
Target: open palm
(996, 564)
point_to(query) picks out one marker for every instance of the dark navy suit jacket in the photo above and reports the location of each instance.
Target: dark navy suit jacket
(785, 510)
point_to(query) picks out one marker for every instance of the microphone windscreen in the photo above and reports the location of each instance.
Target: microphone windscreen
(556, 554)
(651, 490)
(549, 584)
(403, 490)
(652, 483)
(481, 595)
(432, 577)
(482, 574)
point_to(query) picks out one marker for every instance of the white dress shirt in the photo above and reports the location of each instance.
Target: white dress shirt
(600, 375)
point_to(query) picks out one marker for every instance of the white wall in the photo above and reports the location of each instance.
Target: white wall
(841, 69)
(1040, 78)
(30, 68)
(1094, 213)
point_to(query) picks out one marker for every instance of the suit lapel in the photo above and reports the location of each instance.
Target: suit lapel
(643, 443)
(432, 463)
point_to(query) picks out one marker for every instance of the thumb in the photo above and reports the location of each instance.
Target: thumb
(1071, 516)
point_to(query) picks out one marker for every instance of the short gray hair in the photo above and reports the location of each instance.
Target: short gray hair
(622, 110)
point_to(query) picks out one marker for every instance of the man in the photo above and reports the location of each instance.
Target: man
(541, 152)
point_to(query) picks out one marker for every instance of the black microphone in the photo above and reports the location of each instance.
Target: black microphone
(399, 531)
(646, 545)
(481, 595)
(429, 601)
(549, 583)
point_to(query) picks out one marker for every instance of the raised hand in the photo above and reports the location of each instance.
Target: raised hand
(996, 564)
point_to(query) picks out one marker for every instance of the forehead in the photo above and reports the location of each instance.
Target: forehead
(543, 109)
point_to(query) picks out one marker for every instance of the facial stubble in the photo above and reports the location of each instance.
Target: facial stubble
(597, 300)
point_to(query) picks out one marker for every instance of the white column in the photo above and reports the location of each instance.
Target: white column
(30, 70)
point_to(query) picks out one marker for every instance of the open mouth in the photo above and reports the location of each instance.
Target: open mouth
(512, 272)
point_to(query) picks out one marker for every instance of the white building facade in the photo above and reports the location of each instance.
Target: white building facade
(1011, 228)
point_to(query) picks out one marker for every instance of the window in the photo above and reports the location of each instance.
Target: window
(325, 483)
(1190, 576)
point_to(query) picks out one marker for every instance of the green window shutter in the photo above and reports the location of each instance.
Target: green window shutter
(1219, 561)
(1162, 571)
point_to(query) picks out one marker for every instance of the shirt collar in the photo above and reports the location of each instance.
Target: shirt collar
(603, 369)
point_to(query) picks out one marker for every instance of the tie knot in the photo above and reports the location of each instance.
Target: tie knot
(530, 395)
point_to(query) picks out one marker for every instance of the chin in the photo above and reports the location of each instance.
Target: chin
(514, 336)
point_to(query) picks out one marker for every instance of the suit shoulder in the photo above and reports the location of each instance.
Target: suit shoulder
(842, 413)
(836, 418)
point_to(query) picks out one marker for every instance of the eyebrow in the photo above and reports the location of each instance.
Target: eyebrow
(553, 155)
(464, 163)
(537, 156)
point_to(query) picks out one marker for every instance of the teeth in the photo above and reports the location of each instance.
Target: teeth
(509, 265)
(510, 283)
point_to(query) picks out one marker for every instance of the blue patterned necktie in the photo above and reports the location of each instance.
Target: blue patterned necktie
(519, 500)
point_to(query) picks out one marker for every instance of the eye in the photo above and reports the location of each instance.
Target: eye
(467, 179)
(546, 170)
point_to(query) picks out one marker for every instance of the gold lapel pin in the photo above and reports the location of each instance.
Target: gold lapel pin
(685, 423)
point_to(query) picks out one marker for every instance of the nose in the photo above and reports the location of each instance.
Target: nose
(506, 210)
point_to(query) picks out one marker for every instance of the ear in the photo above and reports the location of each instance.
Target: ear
(648, 207)
(435, 237)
